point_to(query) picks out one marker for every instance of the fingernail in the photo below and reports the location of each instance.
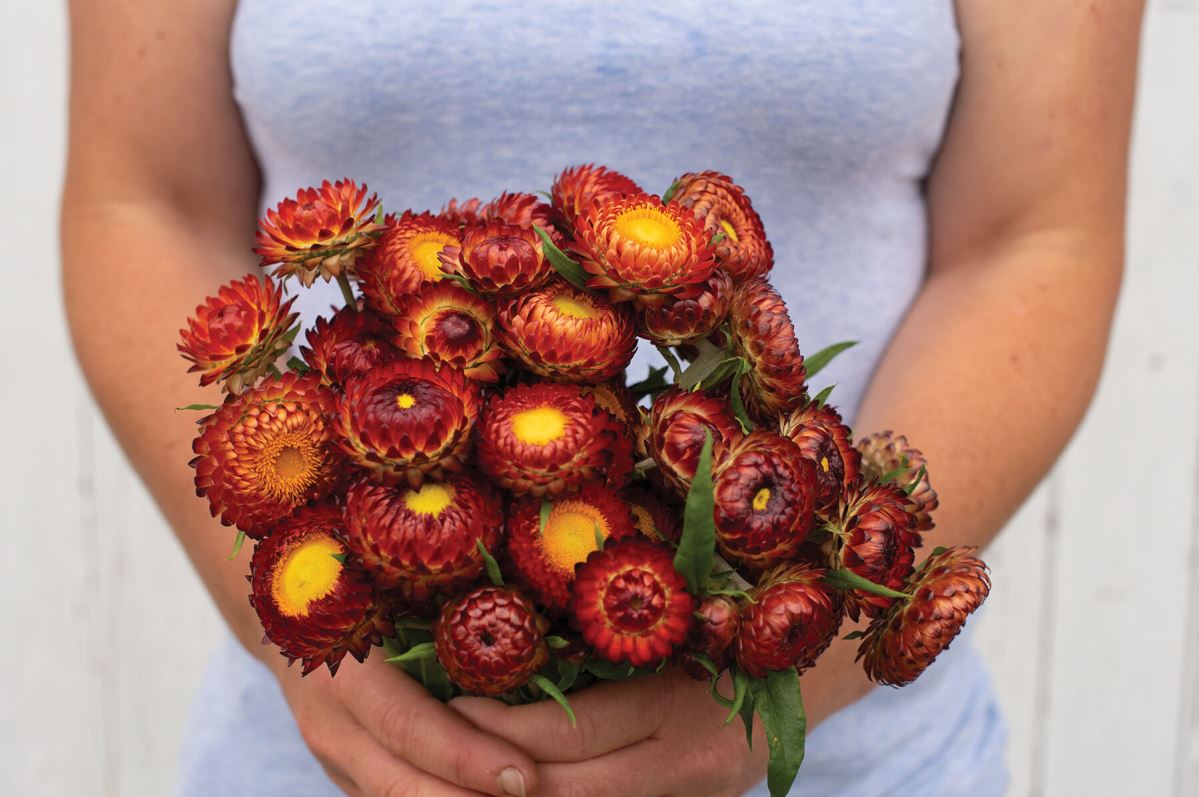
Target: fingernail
(512, 782)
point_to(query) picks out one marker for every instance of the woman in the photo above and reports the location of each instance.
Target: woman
(944, 184)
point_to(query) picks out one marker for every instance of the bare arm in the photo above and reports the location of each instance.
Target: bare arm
(989, 373)
(158, 211)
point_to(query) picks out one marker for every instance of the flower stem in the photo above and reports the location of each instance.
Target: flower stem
(343, 282)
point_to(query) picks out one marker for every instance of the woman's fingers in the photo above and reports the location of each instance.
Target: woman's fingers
(419, 729)
(611, 715)
(640, 770)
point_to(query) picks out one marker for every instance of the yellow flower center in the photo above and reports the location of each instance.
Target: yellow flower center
(824, 464)
(287, 466)
(569, 535)
(431, 499)
(306, 574)
(762, 498)
(728, 230)
(644, 522)
(574, 308)
(648, 226)
(424, 248)
(539, 425)
(405, 401)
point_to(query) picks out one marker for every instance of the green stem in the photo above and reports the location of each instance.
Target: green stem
(343, 282)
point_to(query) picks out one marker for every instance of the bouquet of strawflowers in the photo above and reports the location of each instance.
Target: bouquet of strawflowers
(455, 468)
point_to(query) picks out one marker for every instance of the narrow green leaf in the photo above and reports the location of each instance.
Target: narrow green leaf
(738, 404)
(847, 579)
(747, 716)
(551, 689)
(547, 195)
(670, 192)
(493, 567)
(570, 271)
(547, 506)
(341, 557)
(740, 689)
(599, 538)
(940, 549)
(714, 690)
(740, 594)
(671, 361)
(435, 679)
(852, 635)
(815, 364)
(424, 650)
(708, 358)
(892, 475)
(608, 671)
(697, 546)
(822, 397)
(297, 365)
(703, 660)
(915, 480)
(655, 382)
(727, 368)
(568, 673)
(462, 281)
(290, 334)
(198, 407)
(556, 642)
(779, 703)
(717, 238)
(238, 542)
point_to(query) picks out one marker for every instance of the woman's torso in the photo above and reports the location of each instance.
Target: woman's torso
(828, 112)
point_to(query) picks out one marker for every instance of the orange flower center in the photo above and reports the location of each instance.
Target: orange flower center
(644, 522)
(305, 574)
(288, 465)
(431, 499)
(649, 227)
(729, 231)
(762, 499)
(405, 401)
(539, 425)
(824, 464)
(424, 248)
(570, 534)
(574, 308)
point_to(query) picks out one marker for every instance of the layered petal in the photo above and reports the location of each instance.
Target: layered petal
(449, 325)
(407, 256)
(725, 208)
(490, 641)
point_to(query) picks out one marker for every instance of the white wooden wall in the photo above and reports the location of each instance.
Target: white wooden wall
(1092, 631)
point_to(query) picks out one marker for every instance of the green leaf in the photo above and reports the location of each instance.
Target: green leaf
(717, 238)
(815, 364)
(738, 404)
(198, 407)
(847, 579)
(493, 568)
(422, 651)
(940, 549)
(568, 673)
(655, 382)
(697, 546)
(434, 678)
(341, 557)
(740, 594)
(915, 480)
(822, 397)
(671, 360)
(852, 635)
(238, 542)
(551, 689)
(778, 701)
(703, 660)
(608, 671)
(740, 689)
(570, 271)
(547, 506)
(297, 365)
(747, 716)
(556, 642)
(599, 538)
(547, 195)
(290, 334)
(708, 358)
(461, 280)
(670, 192)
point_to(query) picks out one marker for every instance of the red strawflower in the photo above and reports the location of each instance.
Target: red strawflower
(579, 187)
(499, 259)
(876, 536)
(826, 443)
(681, 321)
(792, 618)
(349, 344)
(490, 641)
(884, 455)
(724, 207)
(408, 255)
(678, 423)
(449, 325)
(762, 334)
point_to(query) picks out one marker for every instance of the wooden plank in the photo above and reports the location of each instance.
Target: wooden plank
(1127, 480)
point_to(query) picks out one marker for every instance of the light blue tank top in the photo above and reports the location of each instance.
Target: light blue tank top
(828, 112)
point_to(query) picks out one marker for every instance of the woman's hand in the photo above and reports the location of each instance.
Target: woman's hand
(660, 736)
(378, 733)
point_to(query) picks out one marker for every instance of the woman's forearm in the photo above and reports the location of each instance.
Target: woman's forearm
(132, 273)
(989, 375)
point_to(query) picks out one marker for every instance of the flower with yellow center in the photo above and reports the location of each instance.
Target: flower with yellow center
(579, 187)
(424, 541)
(321, 233)
(825, 441)
(765, 495)
(567, 334)
(724, 208)
(313, 604)
(549, 438)
(546, 557)
(640, 249)
(235, 336)
(653, 516)
(408, 419)
(448, 324)
(267, 452)
(407, 256)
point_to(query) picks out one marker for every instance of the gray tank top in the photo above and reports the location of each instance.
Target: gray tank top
(828, 112)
